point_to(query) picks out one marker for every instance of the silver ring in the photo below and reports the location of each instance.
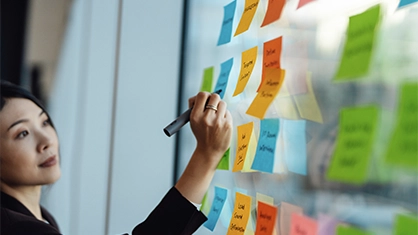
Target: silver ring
(213, 107)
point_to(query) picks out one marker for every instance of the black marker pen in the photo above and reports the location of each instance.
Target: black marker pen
(180, 121)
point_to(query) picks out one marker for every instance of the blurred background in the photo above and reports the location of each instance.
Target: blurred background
(109, 74)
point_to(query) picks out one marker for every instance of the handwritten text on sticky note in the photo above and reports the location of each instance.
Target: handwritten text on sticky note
(244, 133)
(355, 140)
(266, 218)
(361, 33)
(247, 16)
(302, 225)
(223, 77)
(268, 90)
(403, 147)
(226, 29)
(216, 209)
(240, 215)
(266, 147)
(247, 64)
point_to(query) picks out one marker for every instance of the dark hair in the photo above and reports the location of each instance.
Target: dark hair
(9, 90)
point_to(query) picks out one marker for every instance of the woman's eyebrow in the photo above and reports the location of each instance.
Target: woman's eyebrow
(22, 120)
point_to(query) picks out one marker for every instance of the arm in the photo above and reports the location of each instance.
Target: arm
(175, 214)
(213, 130)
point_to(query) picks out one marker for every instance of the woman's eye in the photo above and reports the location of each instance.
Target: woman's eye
(46, 122)
(22, 134)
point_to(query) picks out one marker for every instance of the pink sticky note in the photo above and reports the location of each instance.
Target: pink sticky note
(303, 225)
(327, 225)
(303, 3)
(286, 210)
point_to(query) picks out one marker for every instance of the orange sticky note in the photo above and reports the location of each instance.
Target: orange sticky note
(286, 212)
(307, 104)
(268, 91)
(247, 64)
(272, 51)
(247, 16)
(244, 133)
(302, 225)
(266, 219)
(240, 215)
(274, 11)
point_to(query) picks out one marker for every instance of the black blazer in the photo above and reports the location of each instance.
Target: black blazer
(179, 216)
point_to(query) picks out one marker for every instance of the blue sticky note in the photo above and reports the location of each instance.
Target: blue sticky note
(294, 139)
(266, 147)
(223, 77)
(226, 30)
(403, 3)
(216, 209)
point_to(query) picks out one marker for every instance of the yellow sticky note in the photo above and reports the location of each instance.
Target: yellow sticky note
(307, 104)
(252, 148)
(268, 91)
(247, 16)
(244, 133)
(286, 108)
(240, 215)
(247, 64)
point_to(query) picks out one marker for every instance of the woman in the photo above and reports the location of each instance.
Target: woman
(29, 158)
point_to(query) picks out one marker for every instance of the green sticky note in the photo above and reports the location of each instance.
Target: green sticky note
(403, 147)
(361, 33)
(224, 162)
(345, 230)
(207, 80)
(205, 207)
(405, 225)
(353, 149)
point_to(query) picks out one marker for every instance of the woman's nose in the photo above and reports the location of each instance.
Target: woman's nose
(45, 140)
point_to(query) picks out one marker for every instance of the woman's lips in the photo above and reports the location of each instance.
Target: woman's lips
(51, 161)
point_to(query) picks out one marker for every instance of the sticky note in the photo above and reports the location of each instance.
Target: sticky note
(361, 33)
(223, 77)
(205, 208)
(302, 225)
(266, 147)
(207, 80)
(346, 230)
(285, 107)
(303, 3)
(356, 134)
(294, 138)
(405, 225)
(247, 16)
(266, 219)
(402, 150)
(268, 91)
(274, 11)
(216, 209)
(251, 149)
(224, 162)
(244, 133)
(226, 29)
(286, 211)
(247, 64)
(307, 104)
(272, 51)
(403, 3)
(327, 225)
(268, 200)
(241, 214)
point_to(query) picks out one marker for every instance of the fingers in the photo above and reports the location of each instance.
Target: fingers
(191, 101)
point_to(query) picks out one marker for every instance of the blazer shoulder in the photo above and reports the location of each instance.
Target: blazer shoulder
(16, 223)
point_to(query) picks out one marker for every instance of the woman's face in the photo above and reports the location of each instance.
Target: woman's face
(29, 153)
